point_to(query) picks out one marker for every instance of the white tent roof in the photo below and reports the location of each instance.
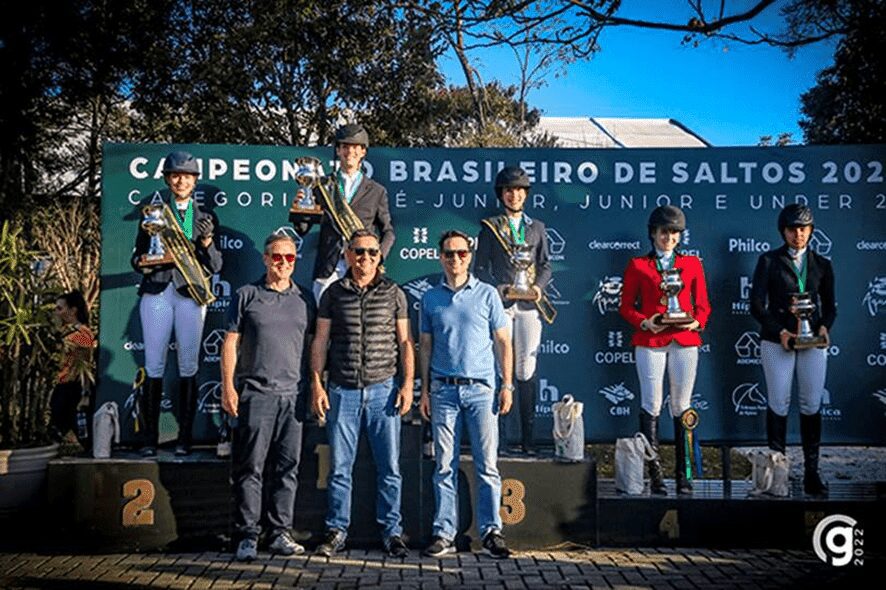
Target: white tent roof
(600, 132)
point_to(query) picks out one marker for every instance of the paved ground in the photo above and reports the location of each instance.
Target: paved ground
(674, 569)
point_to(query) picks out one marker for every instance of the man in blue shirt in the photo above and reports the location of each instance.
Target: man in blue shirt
(463, 325)
(263, 363)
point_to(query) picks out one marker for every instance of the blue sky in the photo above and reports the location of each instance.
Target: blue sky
(729, 94)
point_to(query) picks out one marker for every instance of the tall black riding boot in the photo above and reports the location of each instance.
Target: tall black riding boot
(649, 428)
(150, 399)
(776, 431)
(684, 480)
(526, 392)
(187, 407)
(810, 435)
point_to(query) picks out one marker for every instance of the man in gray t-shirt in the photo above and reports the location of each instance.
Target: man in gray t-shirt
(263, 364)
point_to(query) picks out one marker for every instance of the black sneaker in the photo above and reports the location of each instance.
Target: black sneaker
(395, 547)
(333, 543)
(439, 548)
(494, 545)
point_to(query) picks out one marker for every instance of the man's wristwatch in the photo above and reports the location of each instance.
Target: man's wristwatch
(508, 386)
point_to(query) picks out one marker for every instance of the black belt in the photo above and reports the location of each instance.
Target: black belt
(460, 381)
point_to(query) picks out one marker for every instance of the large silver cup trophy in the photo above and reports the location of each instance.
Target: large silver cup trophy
(671, 285)
(153, 222)
(522, 286)
(308, 176)
(803, 308)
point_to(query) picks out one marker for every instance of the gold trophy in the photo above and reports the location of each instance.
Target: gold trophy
(803, 307)
(309, 175)
(522, 287)
(671, 285)
(153, 223)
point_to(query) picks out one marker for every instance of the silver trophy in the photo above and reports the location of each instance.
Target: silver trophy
(522, 286)
(803, 308)
(671, 285)
(154, 222)
(308, 176)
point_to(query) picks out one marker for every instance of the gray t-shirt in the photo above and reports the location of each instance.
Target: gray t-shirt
(274, 327)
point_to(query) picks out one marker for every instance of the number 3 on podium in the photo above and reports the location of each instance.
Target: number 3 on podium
(512, 510)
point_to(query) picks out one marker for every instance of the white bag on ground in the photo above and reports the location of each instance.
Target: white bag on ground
(569, 430)
(630, 455)
(770, 473)
(105, 430)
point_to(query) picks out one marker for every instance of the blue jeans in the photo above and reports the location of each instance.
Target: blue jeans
(265, 421)
(475, 406)
(350, 410)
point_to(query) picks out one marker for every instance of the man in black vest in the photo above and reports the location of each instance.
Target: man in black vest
(367, 198)
(362, 319)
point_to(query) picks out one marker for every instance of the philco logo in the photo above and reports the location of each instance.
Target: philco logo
(820, 242)
(556, 244)
(748, 400)
(749, 245)
(875, 299)
(419, 235)
(838, 541)
(222, 291)
(553, 347)
(212, 346)
(229, 243)
(209, 401)
(747, 347)
(285, 230)
(608, 296)
(615, 395)
(548, 394)
(743, 305)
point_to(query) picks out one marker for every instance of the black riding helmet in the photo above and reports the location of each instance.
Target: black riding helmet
(352, 133)
(512, 176)
(795, 215)
(180, 162)
(668, 217)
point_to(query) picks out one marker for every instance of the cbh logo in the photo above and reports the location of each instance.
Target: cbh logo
(838, 541)
(608, 295)
(615, 395)
(747, 347)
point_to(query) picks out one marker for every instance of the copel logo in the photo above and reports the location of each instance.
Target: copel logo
(838, 541)
(747, 347)
(608, 296)
(419, 235)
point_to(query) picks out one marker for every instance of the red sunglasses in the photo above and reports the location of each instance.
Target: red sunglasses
(281, 257)
(460, 253)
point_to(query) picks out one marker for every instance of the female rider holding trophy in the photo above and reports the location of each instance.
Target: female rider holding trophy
(175, 253)
(793, 299)
(665, 298)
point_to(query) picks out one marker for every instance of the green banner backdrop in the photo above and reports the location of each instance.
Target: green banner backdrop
(595, 204)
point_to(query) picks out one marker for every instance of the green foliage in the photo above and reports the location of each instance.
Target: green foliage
(848, 102)
(25, 342)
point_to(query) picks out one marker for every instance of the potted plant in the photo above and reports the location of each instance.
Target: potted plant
(26, 355)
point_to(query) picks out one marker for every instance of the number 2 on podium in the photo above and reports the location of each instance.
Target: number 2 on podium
(138, 511)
